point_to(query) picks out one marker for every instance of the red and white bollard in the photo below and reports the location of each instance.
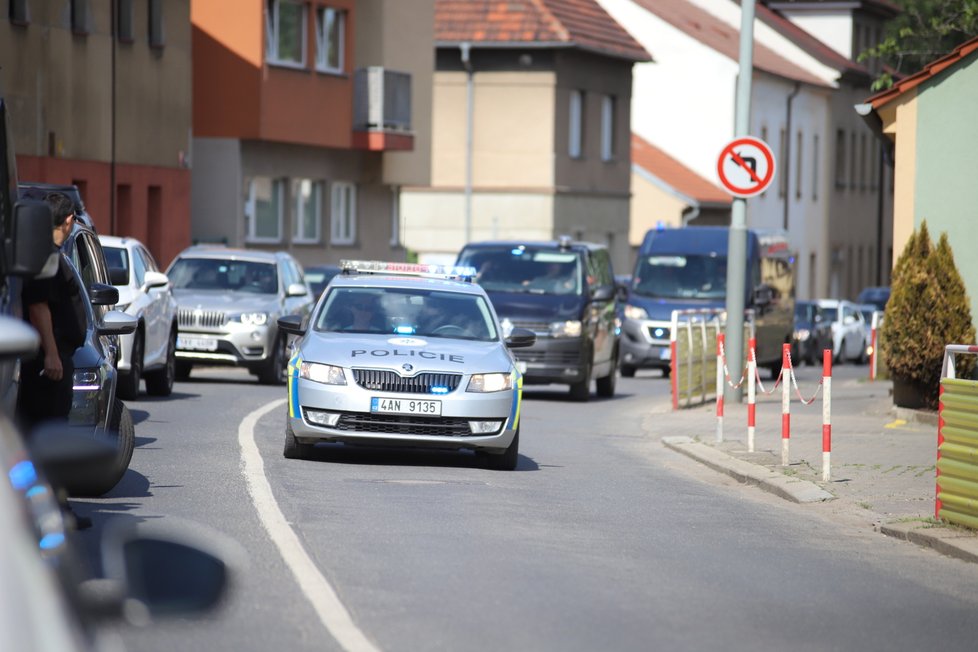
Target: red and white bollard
(785, 401)
(751, 391)
(826, 415)
(720, 354)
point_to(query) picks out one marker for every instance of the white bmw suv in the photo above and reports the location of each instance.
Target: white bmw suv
(146, 294)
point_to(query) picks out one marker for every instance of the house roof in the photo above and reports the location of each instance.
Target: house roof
(725, 39)
(659, 164)
(930, 70)
(885, 8)
(555, 23)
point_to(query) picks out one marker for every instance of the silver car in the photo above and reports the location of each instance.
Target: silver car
(228, 301)
(409, 358)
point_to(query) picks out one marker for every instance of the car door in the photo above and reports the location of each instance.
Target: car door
(601, 312)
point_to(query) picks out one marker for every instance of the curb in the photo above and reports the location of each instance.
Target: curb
(793, 489)
(945, 540)
(916, 416)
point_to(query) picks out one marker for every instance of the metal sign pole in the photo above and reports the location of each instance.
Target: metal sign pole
(737, 244)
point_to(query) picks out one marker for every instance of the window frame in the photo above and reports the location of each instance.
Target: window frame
(840, 158)
(575, 121)
(251, 211)
(272, 22)
(343, 213)
(318, 189)
(322, 42)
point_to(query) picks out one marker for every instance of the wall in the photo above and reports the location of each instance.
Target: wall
(596, 218)
(652, 202)
(217, 194)
(832, 27)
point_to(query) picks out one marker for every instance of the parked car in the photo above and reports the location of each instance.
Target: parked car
(876, 296)
(848, 333)
(144, 293)
(867, 310)
(813, 333)
(563, 291)
(228, 305)
(319, 276)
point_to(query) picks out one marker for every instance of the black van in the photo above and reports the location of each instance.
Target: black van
(563, 291)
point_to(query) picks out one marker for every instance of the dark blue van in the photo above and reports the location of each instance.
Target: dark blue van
(678, 269)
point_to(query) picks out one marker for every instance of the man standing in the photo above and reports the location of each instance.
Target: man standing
(51, 306)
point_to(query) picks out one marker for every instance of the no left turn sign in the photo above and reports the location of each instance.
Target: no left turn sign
(746, 166)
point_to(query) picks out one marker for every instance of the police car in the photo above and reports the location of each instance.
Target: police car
(405, 355)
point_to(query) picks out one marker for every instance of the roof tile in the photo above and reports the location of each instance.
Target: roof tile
(930, 70)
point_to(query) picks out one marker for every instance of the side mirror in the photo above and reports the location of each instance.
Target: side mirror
(30, 244)
(291, 324)
(17, 339)
(101, 294)
(116, 322)
(603, 293)
(521, 338)
(118, 276)
(155, 280)
(297, 290)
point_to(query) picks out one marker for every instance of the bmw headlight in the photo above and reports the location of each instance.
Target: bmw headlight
(253, 318)
(634, 312)
(565, 329)
(490, 383)
(326, 374)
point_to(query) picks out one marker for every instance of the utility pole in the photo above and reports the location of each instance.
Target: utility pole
(737, 244)
(465, 49)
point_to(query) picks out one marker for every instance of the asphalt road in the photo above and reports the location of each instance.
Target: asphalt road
(600, 540)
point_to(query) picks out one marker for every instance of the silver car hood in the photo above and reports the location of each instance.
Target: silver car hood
(226, 301)
(395, 351)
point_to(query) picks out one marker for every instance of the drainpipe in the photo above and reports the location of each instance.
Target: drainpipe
(465, 49)
(786, 164)
(875, 124)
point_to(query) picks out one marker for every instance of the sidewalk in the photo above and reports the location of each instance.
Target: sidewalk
(882, 461)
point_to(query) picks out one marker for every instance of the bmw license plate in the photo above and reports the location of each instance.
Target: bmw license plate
(382, 405)
(196, 343)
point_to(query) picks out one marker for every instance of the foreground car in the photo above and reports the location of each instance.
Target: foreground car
(406, 359)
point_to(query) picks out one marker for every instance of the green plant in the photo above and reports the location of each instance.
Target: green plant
(928, 309)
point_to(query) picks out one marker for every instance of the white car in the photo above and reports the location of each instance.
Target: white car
(146, 294)
(848, 330)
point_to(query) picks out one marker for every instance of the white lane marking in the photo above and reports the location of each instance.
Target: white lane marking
(316, 588)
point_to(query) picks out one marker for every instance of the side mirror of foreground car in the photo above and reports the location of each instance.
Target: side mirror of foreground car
(155, 280)
(520, 338)
(116, 322)
(101, 294)
(297, 290)
(291, 324)
(155, 569)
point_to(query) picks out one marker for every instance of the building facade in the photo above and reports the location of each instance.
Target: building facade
(309, 116)
(83, 80)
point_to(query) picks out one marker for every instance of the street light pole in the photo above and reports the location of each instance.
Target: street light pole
(737, 243)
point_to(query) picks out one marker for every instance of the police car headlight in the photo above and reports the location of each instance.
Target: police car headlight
(326, 374)
(802, 334)
(490, 383)
(253, 318)
(634, 312)
(565, 329)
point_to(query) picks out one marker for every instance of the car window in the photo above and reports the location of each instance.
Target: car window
(148, 260)
(289, 273)
(117, 258)
(428, 313)
(223, 275)
(138, 270)
(525, 269)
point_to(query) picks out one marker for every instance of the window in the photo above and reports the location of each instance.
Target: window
(874, 160)
(343, 213)
(123, 21)
(798, 160)
(307, 198)
(840, 158)
(330, 30)
(814, 169)
(852, 160)
(285, 33)
(264, 209)
(395, 216)
(862, 161)
(607, 127)
(575, 137)
(812, 275)
(18, 13)
(79, 16)
(155, 27)
(783, 156)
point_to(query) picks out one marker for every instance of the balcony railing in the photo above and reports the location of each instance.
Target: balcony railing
(381, 100)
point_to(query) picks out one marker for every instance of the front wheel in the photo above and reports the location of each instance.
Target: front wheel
(127, 386)
(98, 479)
(508, 460)
(160, 382)
(606, 385)
(273, 373)
(294, 449)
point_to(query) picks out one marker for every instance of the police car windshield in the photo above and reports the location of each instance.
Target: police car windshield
(525, 269)
(681, 277)
(408, 312)
(224, 275)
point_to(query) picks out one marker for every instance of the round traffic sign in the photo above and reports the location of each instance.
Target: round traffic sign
(746, 166)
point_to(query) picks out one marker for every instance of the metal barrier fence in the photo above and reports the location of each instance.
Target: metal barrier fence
(693, 354)
(957, 444)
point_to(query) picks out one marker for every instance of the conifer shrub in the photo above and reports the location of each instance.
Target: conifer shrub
(928, 309)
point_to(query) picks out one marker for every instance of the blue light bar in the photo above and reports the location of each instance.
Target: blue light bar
(439, 390)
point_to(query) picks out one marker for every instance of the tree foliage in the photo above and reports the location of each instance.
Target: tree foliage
(928, 309)
(925, 30)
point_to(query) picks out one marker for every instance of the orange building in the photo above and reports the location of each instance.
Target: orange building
(308, 117)
(99, 96)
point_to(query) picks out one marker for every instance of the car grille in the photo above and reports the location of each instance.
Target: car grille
(548, 357)
(391, 381)
(396, 424)
(191, 318)
(538, 327)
